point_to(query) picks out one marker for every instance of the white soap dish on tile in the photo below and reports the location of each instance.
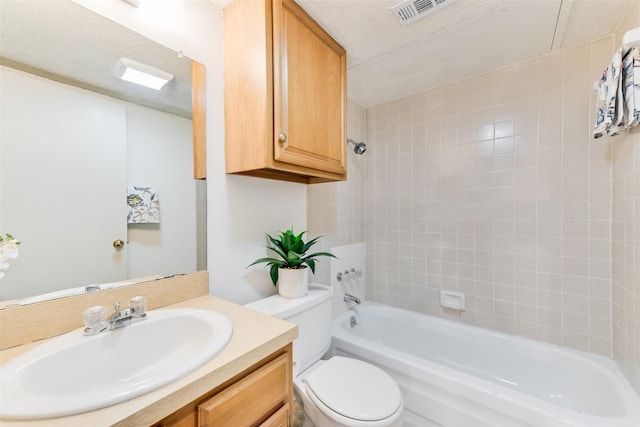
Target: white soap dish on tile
(452, 299)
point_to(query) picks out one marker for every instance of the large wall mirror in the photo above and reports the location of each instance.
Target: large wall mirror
(78, 145)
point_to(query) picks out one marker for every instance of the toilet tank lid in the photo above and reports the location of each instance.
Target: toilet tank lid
(284, 308)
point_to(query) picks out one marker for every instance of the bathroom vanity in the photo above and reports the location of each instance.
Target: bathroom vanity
(258, 396)
(248, 383)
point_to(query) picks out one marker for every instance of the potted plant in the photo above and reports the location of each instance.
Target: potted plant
(289, 272)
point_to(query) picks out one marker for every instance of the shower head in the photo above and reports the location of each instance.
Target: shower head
(358, 147)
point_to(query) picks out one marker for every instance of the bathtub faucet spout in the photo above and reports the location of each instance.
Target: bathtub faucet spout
(351, 298)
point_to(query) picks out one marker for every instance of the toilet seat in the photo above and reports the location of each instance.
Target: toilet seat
(354, 389)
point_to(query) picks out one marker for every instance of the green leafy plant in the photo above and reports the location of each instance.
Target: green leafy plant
(292, 250)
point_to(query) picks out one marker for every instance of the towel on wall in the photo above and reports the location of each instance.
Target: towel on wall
(144, 205)
(631, 87)
(618, 94)
(607, 111)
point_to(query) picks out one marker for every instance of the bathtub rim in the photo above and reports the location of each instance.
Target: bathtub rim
(563, 416)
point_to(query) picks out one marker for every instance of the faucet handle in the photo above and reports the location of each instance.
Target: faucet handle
(138, 305)
(95, 319)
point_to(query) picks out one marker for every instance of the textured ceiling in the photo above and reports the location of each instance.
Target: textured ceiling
(385, 60)
(466, 38)
(69, 43)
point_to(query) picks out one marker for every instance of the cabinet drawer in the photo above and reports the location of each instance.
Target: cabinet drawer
(251, 399)
(279, 419)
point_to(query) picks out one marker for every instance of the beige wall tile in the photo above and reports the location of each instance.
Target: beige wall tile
(513, 186)
(494, 185)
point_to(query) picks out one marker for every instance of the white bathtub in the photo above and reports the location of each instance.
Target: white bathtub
(455, 375)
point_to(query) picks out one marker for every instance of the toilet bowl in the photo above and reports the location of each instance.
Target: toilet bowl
(338, 391)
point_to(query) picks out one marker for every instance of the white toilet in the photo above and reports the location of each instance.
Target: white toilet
(339, 391)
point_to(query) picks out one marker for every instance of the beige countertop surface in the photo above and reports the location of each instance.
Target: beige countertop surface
(255, 336)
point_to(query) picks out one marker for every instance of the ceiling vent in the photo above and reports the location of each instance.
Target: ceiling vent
(408, 11)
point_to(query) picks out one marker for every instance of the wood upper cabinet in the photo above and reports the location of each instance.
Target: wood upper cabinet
(285, 94)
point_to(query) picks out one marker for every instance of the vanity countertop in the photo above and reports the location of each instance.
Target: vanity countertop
(255, 336)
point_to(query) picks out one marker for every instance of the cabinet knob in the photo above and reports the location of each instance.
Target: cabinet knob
(118, 243)
(282, 137)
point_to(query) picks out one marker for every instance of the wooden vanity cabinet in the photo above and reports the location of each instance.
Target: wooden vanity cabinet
(285, 94)
(258, 397)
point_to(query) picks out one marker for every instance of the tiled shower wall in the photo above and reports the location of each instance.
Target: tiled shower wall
(336, 210)
(494, 187)
(626, 255)
(525, 229)
(626, 240)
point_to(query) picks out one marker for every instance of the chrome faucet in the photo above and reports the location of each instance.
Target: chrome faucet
(125, 317)
(351, 298)
(96, 320)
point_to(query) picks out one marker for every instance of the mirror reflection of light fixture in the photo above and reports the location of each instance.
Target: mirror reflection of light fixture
(142, 74)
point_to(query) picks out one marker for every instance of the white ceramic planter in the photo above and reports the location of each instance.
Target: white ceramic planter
(293, 283)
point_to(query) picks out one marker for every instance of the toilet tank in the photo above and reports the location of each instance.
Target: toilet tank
(312, 314)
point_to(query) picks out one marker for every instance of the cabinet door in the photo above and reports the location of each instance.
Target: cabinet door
(309, 92)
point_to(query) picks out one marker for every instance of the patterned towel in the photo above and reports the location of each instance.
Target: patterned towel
(144, 205)
(631, 87)
(608, 99)
(618, 98)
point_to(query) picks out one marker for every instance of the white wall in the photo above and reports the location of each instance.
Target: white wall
(240, 210)
(159, 155)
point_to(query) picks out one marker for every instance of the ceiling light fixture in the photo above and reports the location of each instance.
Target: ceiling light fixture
(142, 74)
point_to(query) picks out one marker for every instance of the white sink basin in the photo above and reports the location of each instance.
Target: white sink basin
(74, 373)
